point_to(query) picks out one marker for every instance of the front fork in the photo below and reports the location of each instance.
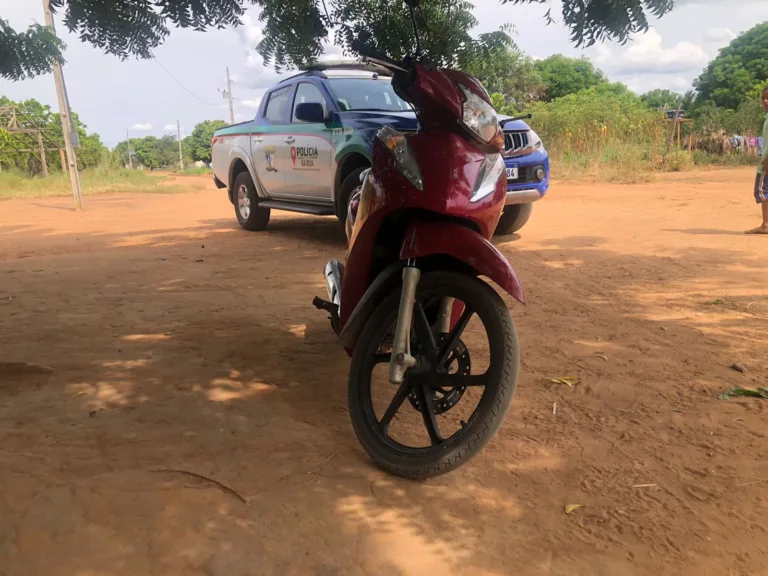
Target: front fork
(401, 358)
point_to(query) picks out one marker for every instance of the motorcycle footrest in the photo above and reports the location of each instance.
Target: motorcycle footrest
(329, 307)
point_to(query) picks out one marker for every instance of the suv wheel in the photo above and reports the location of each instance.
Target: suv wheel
(348, 187)
(513, 218)
(249, 215)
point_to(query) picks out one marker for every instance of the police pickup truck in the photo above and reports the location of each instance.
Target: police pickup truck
(301, 157)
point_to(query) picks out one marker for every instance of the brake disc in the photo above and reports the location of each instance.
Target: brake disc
(445, 398)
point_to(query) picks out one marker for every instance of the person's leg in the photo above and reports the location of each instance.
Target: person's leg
(765, 214)
(761, 197)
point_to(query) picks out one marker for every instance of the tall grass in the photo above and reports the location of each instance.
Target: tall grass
(195, 171)
(601, 134)
(609, 134)
(93, 181)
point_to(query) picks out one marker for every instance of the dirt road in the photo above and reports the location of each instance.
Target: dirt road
(158, 336)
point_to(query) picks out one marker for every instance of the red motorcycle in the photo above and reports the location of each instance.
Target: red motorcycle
(419, 229)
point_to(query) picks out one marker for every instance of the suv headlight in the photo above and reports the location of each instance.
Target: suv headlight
(491, 171)
(534, 141)
(478, 116)
(405, 161)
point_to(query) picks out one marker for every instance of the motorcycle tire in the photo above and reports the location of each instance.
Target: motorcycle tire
(421, 463)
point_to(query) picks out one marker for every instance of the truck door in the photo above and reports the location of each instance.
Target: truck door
(267, 153)
(308, 152)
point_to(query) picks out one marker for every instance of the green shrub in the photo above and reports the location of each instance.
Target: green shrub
(678, 160)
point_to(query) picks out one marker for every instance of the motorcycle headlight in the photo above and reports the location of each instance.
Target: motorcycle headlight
(491, 171)
(405, 161)
(534, 141)
(479, 116)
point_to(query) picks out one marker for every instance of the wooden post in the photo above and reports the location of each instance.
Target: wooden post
(678, 135)
(42, 153)
(128, 142)
(674, 126)
(63, 161)
(178, 137)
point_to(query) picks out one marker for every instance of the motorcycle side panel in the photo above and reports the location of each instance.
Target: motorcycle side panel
(430, 238)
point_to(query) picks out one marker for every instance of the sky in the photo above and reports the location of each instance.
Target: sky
(185, 80)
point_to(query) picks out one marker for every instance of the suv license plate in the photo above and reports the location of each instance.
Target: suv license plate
(512, 173)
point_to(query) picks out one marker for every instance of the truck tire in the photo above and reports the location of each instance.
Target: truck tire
(249, 215)
(351, 182)
(513, 218)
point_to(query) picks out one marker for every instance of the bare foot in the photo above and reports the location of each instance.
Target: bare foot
(759, 230)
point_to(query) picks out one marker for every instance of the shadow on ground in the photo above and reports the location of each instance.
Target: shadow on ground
(199, 350)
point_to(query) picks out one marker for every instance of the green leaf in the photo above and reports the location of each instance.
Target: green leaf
(738, 391)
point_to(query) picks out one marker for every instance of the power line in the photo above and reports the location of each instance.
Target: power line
(180, 84)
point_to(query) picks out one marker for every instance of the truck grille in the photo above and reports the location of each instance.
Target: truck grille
(515, 140)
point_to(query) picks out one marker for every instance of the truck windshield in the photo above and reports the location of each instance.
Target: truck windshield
(367, 94)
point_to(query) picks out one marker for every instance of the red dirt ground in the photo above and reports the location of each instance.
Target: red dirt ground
(158, 335)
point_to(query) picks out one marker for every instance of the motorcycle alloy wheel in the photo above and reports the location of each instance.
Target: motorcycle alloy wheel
(437, 429)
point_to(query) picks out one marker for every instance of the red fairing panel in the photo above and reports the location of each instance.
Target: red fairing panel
(428, 238)
(449, 167)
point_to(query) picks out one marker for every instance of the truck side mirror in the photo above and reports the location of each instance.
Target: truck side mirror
(311, 112)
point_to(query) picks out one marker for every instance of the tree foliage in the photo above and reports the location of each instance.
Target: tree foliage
(199, 141)
(510, 74)
(563, 75)
(737, 71)
(27, 54)
(591, 21)
(584, 121)
(294, 30)
(386, 28)
(660, 99)
(90, 153)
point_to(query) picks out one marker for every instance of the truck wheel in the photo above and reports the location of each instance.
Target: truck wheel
(513, 218)
(250, 216)
(351, 182)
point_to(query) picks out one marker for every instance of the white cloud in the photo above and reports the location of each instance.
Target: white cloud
(171, 128)
(252, 104)
(141, 127)
(719, 35)
(645, 54)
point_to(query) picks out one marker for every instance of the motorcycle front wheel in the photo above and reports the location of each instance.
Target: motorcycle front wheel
(455, 399)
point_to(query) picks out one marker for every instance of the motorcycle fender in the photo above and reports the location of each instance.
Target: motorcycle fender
(376, 292)
(433, 238)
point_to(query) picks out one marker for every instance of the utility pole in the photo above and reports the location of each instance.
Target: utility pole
(178, 137)
(128, 141)
(229, 95)
(64, 113)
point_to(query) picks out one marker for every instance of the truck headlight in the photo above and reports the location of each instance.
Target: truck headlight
(491, 171)
(405, 161)
(534, 141)
(478, 116)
